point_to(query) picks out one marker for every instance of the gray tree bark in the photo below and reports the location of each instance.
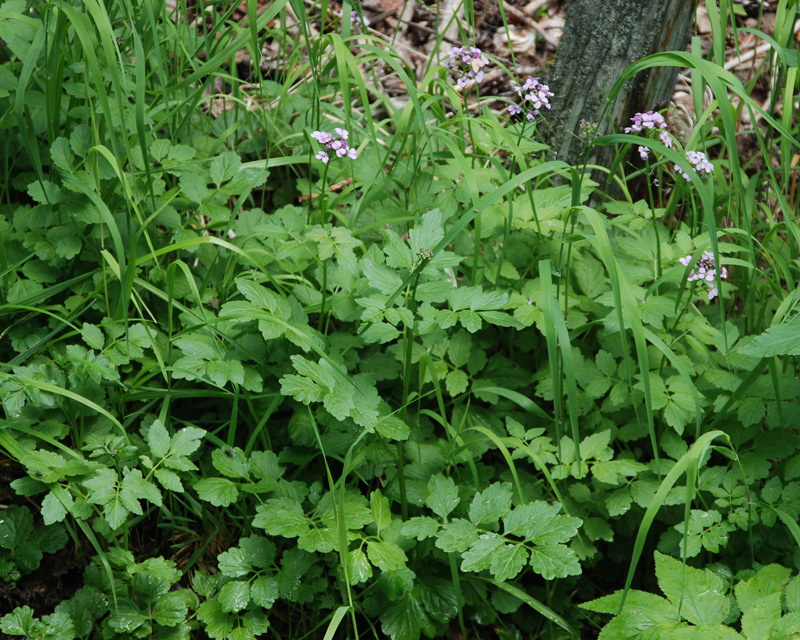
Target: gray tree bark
(601, 39)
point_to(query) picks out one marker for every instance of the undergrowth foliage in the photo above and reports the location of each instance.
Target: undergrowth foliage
(282, 355)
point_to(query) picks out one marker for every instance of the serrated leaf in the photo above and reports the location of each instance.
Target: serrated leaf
(230, 462)
(186, 441)
(220, 492)
(541, 523)
(420, 527)
(139, 487)
(761, 617)
(169, 480)
(170, 609)
(358, 567)
(554, 561)
(441, 496)
(259, 551)
(218, 624)
(264, 591)
(457, 535)
(392, 428)
(406, 619)
(281, 517)
(224, 167)
(315, 539)
(456, 382)
(381, 510)
(92, 336)
(53, 509)
(769, 580)
(479, 556)
(158, 440)
(439, 599)
(61, 154)
(45, 192)
(127, 617)
(490, 505)
(234, 562)
(387, 556)
(234, 596)
(783, 340)
(508, 561)
(700, 594)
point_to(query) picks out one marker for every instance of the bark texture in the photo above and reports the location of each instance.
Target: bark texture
(601, 39)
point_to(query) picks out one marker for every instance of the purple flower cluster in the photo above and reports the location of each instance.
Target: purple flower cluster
(649, 121)
(535, 96)
(700, 163)
(338, 145)
(356, 20)
(706, 271)
(468, 63)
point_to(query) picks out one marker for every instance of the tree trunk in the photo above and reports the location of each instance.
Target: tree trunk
(601, 39)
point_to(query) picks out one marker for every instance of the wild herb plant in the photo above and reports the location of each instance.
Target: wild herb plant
(283, 355)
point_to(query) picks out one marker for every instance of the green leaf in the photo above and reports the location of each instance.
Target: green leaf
(456, 382)
(508, 561)
(490, 505)
(782, 340)
(315, 539)
(699, 593)
(218, 625)
(358, 567)
(751, 411)
(170, 609)
(234, 562)
(281, 517)
(53, 509)
(234, 596)
(185, 442)
(18, 622)
(439, 599)
(769, 580)
(541, 523)
(220, 492)
(793, 594)
(127, 617)
(387, 556)
(194, 187)
(392, 428)
(230, 462)
(169, 480)
(441, 495)
(15, 527)
(61, 154)
(92, 335)
(45, 192)
(761, 617)
(457, 535)
(264, 591)
(406, 619)
(554, 561)
(381, 510)
(479, 556)
(138, 487)
(258, 550)
(420, 527)
(158, 440)
(224, 167)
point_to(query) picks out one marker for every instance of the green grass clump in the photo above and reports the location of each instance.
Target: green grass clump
(284, 354)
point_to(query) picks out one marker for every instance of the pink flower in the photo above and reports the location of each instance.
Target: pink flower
(706, 272)
(338, 145)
